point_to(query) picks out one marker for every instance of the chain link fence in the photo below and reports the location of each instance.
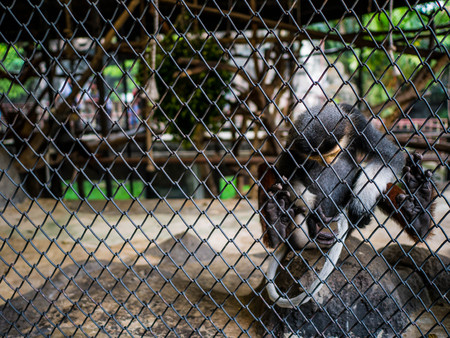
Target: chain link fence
(155, 181)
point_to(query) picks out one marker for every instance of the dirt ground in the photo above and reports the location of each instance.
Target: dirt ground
(216, 258)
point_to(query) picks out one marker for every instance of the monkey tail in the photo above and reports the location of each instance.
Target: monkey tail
(328, 267)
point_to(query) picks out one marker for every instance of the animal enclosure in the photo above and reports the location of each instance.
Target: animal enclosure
(224, 168)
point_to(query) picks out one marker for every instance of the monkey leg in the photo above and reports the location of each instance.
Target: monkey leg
(279, 213)
(275, 207)
(278, 210)
(412, 207)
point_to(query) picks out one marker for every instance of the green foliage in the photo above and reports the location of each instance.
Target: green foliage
(115, 75)
(191, 95)
(11, 62)
(373, 68)
(189, 99)
(379, 74)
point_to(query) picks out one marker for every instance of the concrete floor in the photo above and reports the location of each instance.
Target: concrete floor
(41, 238)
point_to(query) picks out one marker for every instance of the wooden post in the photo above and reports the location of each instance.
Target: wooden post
(103, 119)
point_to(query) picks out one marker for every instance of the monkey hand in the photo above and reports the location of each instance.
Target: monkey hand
(279, 212)
(413, 206)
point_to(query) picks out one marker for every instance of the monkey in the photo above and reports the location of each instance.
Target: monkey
(336, 161)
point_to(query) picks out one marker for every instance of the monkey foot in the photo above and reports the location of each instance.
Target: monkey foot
(326, 236)
(320, 227)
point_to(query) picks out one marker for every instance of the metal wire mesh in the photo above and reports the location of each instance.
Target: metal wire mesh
(136, 136)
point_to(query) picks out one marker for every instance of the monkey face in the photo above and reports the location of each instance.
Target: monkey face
(320, 142)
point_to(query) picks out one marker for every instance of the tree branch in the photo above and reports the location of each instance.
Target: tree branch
(416, 86)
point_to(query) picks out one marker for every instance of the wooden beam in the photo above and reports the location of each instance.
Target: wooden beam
(214, 159)
(356, 40)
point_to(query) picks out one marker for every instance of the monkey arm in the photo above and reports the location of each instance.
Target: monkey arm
(411, 208)
(383, 162)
